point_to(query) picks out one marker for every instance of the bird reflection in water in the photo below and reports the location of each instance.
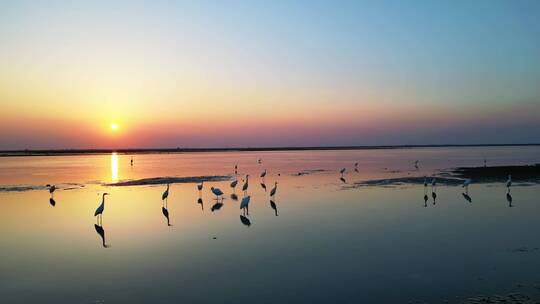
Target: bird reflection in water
(101, 232)
(200, 202)
(509, 198)
(467, 197)
(273, 206)
(425, 200)
(217, 206)
(343, 180)
(234, 197)
(245, 220)
(434, 196)
(165, 212)
(263, 185)
(52, 202)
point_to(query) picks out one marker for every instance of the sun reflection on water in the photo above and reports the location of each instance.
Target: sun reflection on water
(114, 166)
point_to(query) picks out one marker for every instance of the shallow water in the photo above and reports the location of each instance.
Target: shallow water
(323, 242)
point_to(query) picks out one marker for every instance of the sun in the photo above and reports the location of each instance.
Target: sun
(114, 126)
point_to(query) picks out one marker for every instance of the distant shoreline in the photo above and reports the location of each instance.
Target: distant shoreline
(60, 152)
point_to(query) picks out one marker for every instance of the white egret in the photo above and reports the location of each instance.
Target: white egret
(101, 208)
(274, 190)
(200, 186)
(165, 194)
(509, 181)
(466, 184)
(217, 192)
(246, 184)
(244, 204)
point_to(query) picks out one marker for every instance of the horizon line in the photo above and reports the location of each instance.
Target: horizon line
(75, 151)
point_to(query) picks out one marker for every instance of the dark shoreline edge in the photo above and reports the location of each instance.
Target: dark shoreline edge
(59, 152)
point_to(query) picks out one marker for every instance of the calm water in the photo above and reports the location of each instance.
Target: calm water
(323, 242)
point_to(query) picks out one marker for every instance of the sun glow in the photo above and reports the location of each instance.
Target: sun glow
(114, 126)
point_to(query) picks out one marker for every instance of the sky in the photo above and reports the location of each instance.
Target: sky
(267, 73)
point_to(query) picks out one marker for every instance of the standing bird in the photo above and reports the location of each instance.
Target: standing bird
(244, 204)
(259, 160)
(274, 190)
(217, 192)
(165, 194)
(52, 188)
(509, 182)
(263, 174)
(416, 164)
(234, 183)
(246, 184)
(236, 169)
(99, 210)
(263, 185)
(433, 184)
(132, 161)
(342, 171)
(425, 182)
(200, 186)
(466, 184)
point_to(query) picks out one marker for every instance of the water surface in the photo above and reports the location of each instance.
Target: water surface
(319, 241)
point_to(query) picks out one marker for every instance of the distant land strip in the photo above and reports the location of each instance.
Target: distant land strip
(58, 152)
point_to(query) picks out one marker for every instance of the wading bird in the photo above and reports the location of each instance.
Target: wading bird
(165, 194)
(52, 188)
(246, 184)
(263, 174)
(99, 210)
(217, 192)
(509, 182)
(466, 184)
(274, 190)
(263, 185)
(234, 183)
(342, 171)
(244, 204)
(416, 164)
(200, 186)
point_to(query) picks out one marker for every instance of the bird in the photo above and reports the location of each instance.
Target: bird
(132, 161)
(236, 169)
(274, 190)
(466, 184)
(217, 192)
(263, 185)
(234, 183)
(244, 204)
(259, 160)
(200, 186)
(356, 164)
(509, 182)
(52, 188)
(246, 184)
(342, 171)
(165, 194)
(433, 182)
(416, 164)
(263, 174)
(99, 210)
(425, 182)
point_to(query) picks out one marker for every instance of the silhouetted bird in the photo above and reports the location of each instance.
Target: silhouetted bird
(217, 192)
(274, 190)
(101, 208)
(165, 194)
(263, 185)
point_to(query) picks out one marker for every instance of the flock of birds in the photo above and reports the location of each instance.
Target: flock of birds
(466, 183)
(244, 203)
